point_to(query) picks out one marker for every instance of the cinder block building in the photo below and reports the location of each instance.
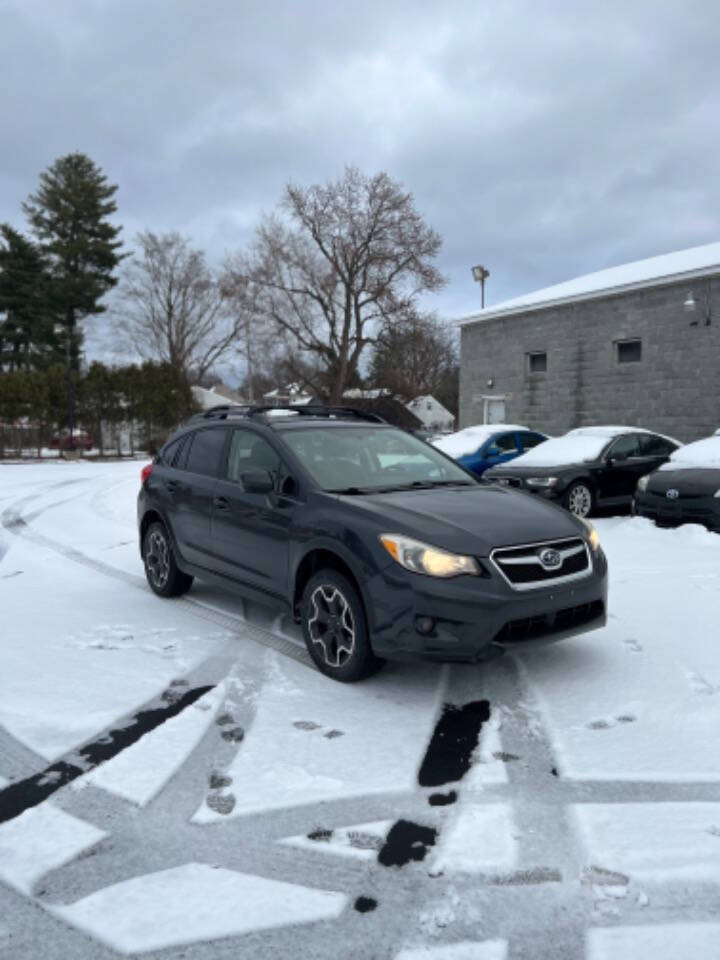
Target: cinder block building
(637, 344)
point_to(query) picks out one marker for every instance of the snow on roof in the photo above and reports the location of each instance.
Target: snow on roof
(471, 438)
(687, 264)
(576, 446)
(701, 454)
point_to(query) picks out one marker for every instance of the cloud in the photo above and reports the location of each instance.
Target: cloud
(543, 140)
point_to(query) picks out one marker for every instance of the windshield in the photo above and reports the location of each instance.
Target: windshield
(362, 459)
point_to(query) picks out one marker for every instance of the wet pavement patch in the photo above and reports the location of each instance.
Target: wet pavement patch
(365, 904)
(320, 834)
(455, 737)
(31, 791)
(442, 799)
(406, 841)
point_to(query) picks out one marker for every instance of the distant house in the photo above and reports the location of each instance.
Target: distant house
(206, 398)
(637, 344)
(285, 396)
(433, 414)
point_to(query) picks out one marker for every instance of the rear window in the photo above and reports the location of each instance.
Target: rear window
(206, 451)
(654, 446)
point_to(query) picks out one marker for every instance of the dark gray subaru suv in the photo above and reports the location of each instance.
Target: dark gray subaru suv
(380, 545)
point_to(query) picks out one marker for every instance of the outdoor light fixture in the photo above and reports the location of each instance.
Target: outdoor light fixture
(480, 275)
(60, 331)
(690, 303)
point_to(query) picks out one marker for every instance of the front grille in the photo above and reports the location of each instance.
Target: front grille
(523, 568)
(682, 495)
(544, 625)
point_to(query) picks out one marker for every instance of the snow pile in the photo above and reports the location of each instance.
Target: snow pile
(464, 950)
(701, 454)
(471, 438)
(661, 942)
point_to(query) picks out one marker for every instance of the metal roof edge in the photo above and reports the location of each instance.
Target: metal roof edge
(499, 312)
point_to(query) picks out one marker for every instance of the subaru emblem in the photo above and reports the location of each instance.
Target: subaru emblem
(550, 559)
(672, 493)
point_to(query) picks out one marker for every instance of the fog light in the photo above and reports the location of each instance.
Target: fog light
(424, 624)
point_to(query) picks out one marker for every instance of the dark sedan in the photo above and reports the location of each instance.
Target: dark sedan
(588, 468)
(685, 490)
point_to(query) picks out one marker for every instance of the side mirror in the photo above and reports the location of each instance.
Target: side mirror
(257, 481)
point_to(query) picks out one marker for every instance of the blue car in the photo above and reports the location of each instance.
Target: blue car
(486, 445)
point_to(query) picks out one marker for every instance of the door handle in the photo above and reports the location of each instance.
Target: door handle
(221, 503)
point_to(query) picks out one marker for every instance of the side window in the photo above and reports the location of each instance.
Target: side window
(250, 451)
(530, 440)
(653, 446)
(206, 451)
(170, 453)
(625, 447)
(504, 443)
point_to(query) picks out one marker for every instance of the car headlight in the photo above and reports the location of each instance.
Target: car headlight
(541, 481)
(717, 494)
(642, 484)
(592, 534)
(423, 558)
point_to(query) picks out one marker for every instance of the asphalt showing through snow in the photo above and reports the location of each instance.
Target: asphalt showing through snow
(543, 908)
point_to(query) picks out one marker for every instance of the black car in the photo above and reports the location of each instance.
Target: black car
(587, 468)
(379, 544)
(686, 490)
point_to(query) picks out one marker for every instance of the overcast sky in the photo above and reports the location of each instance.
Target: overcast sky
(541, 139)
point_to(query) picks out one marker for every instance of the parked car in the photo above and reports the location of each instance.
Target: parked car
(80, 441)
(487, 445)
(589, 467)
(686, 489)
(379, 544)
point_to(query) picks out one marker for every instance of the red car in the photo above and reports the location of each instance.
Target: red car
(80, 441)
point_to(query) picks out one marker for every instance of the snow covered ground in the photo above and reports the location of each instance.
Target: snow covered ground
(262, 811)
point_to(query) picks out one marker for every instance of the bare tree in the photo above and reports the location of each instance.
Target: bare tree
(173, 307)
(338, 262)
(414, 356)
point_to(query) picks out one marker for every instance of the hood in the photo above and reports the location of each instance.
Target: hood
(469, 520)
(690, 481)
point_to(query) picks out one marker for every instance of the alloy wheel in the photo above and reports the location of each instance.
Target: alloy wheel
(331, 626)
(157, 559)
(580, 500)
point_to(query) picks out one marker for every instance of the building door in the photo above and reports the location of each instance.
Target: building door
(494, 410)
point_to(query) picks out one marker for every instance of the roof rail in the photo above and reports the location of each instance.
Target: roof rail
(227, 411)
(319, 410)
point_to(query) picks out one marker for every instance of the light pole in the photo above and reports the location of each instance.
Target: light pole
(480, 275)
(60, 329)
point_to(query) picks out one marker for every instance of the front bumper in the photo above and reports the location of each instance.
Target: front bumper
(476, 618)
(671, 513)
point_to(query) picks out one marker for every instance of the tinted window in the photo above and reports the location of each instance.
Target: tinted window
(654, 446)
(530, 440)
(505, 443)
(205, 452)
(249, 451)
(537, 362)
(625, 447)
(171, 451)
(629, 351)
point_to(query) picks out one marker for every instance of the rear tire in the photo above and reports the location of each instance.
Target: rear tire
(163, 575)
(335, 628)
(579, 499)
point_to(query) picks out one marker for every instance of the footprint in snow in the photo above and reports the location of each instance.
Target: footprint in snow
(223, 719)
(698, 684)
(306, 725)
(222, 803)
(598, 725)
(219, 780)
(332, 734)
(633, 645)
(233, 735)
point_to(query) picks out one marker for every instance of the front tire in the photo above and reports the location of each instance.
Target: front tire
(579, 499)
(163, 575)
(335, 628)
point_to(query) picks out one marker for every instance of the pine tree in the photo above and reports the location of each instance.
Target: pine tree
(27, 311)
(69, 216)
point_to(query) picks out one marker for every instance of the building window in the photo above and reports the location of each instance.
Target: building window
(629, 351)
(537, 362)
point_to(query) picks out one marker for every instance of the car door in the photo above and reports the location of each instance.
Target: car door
(190, 490)
(618, 478)
(251, 531)
(500, 448)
